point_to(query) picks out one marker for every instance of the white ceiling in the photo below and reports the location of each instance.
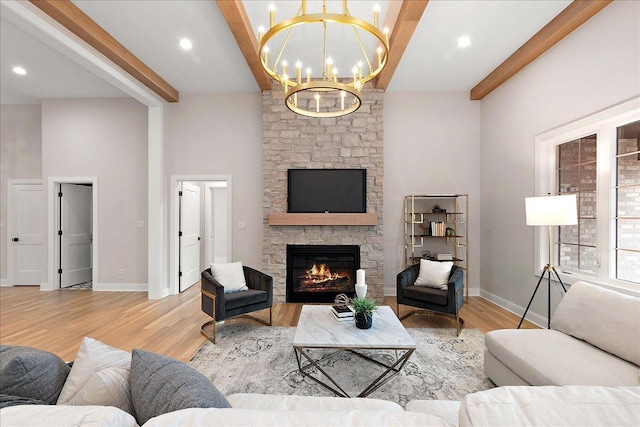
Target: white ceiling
(151, 29)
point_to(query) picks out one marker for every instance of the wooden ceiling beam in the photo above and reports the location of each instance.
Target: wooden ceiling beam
(75, 20)
(408, 18)
(574, 15)
(235, 14)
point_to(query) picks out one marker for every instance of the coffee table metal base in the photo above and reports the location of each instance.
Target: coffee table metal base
(391, 370)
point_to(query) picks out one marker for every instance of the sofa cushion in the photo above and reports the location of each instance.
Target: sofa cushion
(423, 293)
(31, 373)
(160, 384)
(256, 418)
(99, 376)
(552, 406)
(274, 402)
(64, 415)
(548, 357)
(243, 298)
(445, 409)
(602, 317)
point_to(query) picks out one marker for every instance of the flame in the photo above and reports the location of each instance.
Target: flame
(321, 273)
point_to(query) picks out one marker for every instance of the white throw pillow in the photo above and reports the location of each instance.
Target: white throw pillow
(434, 274)
(230, 275)
(108, 387)
(94, 357)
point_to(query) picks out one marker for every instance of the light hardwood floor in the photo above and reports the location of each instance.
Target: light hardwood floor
(57, 321)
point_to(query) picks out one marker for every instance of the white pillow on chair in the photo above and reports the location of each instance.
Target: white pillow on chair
(434, 274)
(230, 275)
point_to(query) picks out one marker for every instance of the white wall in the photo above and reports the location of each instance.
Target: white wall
(595, 67)
(20, 158)
(106, 138)
(431, 145)
(222, 135)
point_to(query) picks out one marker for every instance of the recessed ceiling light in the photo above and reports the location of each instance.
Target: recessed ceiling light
(186, 44)
(464, 41)
(19, 70)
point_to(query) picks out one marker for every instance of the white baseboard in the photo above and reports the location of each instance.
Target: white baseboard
(3, 282)
(534, 318)
(120, 287)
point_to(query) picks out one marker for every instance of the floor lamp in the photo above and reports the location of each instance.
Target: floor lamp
(549, 211)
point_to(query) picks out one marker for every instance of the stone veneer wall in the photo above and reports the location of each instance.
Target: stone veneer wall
(350, 142)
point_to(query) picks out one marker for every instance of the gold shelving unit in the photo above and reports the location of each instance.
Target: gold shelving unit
(420, 241)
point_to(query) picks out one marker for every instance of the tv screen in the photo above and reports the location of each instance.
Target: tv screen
(327, 190)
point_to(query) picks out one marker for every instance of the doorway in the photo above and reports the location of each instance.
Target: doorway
(25, 229)
(200, 227)
(73, 233)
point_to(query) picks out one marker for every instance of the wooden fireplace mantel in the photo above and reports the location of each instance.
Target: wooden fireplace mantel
(282, 218)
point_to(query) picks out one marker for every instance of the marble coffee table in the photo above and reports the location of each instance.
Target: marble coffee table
(317, 329)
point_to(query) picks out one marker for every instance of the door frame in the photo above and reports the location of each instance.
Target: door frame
(52, 229)
(174, 187)
(11, 225)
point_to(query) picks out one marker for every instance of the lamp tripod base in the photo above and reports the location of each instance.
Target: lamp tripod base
(548, 269)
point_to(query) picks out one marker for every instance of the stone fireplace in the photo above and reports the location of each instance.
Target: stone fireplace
(317, 273)
(350, 142)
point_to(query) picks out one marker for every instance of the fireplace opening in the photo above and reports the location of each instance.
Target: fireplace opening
(317, 273)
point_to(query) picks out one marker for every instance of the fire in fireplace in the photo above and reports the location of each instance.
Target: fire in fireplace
(317, 273)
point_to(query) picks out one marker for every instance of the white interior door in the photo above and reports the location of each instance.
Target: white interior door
(189, 235)
(27, 240)
(76, 239)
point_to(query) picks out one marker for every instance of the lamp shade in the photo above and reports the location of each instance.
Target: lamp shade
(551, 210)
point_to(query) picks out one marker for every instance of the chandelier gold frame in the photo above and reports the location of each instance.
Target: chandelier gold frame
(327, 83)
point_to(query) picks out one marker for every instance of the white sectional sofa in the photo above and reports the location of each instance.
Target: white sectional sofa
(594, 340)
(503, 406)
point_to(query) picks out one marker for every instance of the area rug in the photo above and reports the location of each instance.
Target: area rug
(260, 359)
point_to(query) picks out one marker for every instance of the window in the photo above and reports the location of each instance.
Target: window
(597, 159)
(628, 202)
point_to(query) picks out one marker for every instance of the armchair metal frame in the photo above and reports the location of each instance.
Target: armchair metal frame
(455, 292)
(249, 272)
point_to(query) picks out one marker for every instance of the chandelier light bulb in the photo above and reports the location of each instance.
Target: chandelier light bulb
(376, 15)
(308, 75)
(19, 70)
(260, 33)
(272, 15)
(284, 66)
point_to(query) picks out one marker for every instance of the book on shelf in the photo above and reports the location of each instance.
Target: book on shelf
(443, 257)
(340, 311)
(341, 319)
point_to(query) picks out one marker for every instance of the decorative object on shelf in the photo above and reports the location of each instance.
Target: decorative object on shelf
(450, 232)
(328, 93)
(443, 257)
(364, 309)
(361, 286)
(549, 211)
(341, 300)
(438, 228)
(426, 254)
(426, 226)
(437, 209)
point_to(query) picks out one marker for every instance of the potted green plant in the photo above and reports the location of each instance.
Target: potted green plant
(364, 309)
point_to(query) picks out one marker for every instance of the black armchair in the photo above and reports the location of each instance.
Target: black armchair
(448, 301)
(221, 306)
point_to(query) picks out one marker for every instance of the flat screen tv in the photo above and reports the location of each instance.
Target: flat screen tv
(327, 190)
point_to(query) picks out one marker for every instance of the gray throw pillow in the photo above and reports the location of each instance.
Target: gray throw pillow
(160, 384)
(7, 401)
(31, 373)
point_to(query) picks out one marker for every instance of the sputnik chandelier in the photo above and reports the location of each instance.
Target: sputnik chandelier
(325, 92)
